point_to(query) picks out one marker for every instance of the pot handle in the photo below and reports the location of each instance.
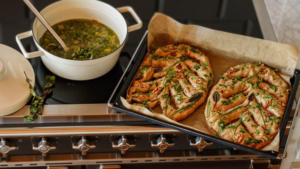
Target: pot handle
(134, 15)
(25, 53)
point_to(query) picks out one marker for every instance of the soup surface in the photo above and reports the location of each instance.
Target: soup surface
(86, 39)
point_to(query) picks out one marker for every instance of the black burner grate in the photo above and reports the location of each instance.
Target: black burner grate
(80, 92)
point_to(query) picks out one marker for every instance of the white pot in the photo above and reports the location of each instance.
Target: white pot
(79, 9)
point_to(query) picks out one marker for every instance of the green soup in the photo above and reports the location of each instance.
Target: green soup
(87, 39)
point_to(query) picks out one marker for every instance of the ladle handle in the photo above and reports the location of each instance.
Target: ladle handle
(46, 24)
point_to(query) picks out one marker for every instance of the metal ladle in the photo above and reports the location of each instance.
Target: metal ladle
(46, 24)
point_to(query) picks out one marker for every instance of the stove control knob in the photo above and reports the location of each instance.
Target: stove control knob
(162, 144)
(200, 143)
(43, 147)
(123, 145)
(4, 148)
(83, 145)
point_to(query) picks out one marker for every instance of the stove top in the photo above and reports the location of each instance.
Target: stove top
(76, 102)
(79, 92)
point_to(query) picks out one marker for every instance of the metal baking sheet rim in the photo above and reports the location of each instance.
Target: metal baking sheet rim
(118, 106)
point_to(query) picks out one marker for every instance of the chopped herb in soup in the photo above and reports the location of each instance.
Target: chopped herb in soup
(86, 39)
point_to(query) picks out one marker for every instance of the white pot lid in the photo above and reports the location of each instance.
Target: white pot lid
(14, 90)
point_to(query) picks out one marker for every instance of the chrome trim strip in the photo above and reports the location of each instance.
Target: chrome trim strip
(264, 20)
(134, 55)
(116, 158)
(82, 131)
(70, 113)
(14, 132)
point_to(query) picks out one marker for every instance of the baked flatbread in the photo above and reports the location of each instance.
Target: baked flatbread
(246, 106)
(177, 77)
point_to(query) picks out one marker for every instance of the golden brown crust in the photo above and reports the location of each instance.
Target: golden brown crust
(247, 104)
(174, 73)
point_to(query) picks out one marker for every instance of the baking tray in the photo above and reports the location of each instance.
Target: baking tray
(129, 74)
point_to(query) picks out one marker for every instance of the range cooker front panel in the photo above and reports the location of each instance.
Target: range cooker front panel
(94, 145)
(95, 139)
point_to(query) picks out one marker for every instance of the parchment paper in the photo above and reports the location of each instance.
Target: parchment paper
(224, 50)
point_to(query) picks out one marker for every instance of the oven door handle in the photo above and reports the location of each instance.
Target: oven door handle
(109, 166)
(100, 167)
(56, 167)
